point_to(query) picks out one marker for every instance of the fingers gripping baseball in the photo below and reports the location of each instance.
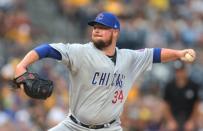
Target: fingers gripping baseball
(188, 55)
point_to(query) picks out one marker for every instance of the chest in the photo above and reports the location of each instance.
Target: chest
(185, 94)
(100, 70)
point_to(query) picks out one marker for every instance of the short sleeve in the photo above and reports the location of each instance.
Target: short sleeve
(70, 53)
(144, 58)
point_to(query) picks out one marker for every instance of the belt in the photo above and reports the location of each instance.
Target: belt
(92, 126)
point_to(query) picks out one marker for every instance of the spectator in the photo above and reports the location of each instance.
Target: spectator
(181, 101)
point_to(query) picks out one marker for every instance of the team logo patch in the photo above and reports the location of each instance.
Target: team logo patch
(100, 17)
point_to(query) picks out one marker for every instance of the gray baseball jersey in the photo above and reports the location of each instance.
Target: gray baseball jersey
(98, 88)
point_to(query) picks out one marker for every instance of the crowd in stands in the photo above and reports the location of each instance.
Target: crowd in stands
(144, 24)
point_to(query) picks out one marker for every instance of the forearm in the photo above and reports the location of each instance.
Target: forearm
(195, 111)
(168, 55)
(42, 51)
(167, 113)
(29, 58)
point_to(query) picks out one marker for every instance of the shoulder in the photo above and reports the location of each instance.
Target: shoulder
(81, 45)
(194, 84)
(170, 84)
(138, 52)
(70, 45)
(124, 51)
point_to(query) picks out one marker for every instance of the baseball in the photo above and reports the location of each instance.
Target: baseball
(189, 57)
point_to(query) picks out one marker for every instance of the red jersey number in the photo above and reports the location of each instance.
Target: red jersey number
(118, 96)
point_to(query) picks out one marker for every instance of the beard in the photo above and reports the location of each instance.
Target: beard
(101, 44)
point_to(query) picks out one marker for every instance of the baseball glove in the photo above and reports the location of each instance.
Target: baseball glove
(34, 86)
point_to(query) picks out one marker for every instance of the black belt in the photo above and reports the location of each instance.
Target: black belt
(92, 126)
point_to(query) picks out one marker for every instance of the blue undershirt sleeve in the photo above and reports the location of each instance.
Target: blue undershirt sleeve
(45, 50)
(157, 55)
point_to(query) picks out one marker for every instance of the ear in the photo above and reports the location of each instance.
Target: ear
(115, 33)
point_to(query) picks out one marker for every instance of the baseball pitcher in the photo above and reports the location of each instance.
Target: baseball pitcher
(101, 75)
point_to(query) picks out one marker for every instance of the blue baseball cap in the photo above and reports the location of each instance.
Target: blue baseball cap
(106, 19)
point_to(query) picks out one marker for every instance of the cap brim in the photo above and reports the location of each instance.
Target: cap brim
(92, 23)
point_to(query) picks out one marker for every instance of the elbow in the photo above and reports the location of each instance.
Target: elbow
(46, 50)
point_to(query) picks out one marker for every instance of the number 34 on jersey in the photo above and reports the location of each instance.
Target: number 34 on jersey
(118, 96)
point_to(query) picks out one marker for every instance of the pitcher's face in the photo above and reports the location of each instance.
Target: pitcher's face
(102, 36)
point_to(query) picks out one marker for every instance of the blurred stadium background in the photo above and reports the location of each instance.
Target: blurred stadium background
(24, 24)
